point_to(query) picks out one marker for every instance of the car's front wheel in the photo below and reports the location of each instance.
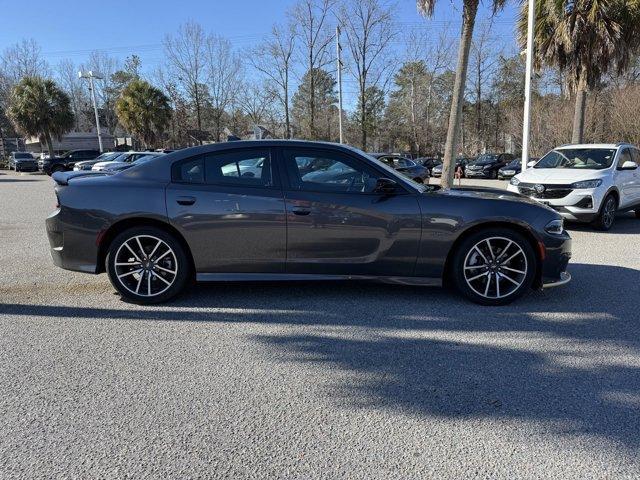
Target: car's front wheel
(147, 265)
(494, 266)
(607, 215)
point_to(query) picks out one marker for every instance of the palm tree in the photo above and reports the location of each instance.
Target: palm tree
(469, 11)
(39, 108)
(143, 110)
(584, 39)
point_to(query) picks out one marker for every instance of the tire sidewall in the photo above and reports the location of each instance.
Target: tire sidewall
(599, 223)
(457, 272)
(184, 267)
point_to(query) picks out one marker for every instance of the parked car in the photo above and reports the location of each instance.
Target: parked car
(510, 169)
(66, 161)
(487, 165)
(105, 157)
(405, 166)
(117, 166)
(460, 162)
(429, 163)
(586, 182)
(189, 216)
(124, 157)
(22, 162)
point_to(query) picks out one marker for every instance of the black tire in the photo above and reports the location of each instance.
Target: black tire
(505, 243)
(125, 278)
(494, 175)
(418, 180)
(637, 212)
(607, 214)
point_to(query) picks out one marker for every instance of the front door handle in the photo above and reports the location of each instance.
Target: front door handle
(186, 200)
(301, 211)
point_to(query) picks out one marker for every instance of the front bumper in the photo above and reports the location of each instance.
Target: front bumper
(478, 173)
(571, 206)
(26, 167)
(557, 253)
(565, 277)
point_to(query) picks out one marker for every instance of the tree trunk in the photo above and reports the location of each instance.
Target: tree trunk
(49, 142)
(287, 122)
(578, 114)
(450, 150)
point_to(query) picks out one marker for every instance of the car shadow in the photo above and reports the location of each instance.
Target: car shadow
(17, 180)
(625, 223)
(566, 359)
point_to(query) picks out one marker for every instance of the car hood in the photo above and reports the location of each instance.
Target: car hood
(110, 165)
(558, 175)
(108, 162)
(488, 194)
(86, 162)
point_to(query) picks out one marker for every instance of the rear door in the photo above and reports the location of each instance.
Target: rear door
(230, 208)
(338, 225)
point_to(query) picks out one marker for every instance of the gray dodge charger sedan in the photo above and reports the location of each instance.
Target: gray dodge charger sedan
(293, 210)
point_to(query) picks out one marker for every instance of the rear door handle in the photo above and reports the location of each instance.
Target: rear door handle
(186, 200)
(301, 211)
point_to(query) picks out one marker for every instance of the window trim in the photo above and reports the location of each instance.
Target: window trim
(289, 185)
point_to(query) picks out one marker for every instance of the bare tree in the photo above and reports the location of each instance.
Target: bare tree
(223, 74)
(274, 59)
(314, 33)
(186, 54)
(106, 66)
(255, 101)
(369, 29)
(67, 74)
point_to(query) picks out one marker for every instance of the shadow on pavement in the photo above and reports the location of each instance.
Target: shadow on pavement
(571, 363)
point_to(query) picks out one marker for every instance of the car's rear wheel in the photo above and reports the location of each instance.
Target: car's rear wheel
(637, 212)
(494, 266)
(147, 265)
(607, 215)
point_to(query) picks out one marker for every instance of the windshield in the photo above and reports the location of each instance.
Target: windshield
(484, 159)
(23, 155)
(579, 158)
(107, 156)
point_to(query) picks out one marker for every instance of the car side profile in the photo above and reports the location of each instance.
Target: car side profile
(294, 210)
(487, 165)
(409, 168)
(66, 161)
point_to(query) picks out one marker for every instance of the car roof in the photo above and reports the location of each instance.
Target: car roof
(593, 145)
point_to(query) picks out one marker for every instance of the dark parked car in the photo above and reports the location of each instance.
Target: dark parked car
(429, 163)
(487, 165)
(460, 162)
(22, 162)
(409, 168)
(66, 161)
(194, 214)
(513, 168)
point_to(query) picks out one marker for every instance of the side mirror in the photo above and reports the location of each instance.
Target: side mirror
(531, 164)
(386, 186)
(628, 165)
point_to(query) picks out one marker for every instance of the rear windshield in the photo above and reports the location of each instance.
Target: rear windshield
(578, 158)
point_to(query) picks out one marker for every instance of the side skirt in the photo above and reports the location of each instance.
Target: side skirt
(292, 277)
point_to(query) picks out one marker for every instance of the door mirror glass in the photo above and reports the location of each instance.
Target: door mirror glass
(628, 165)
(386, 186)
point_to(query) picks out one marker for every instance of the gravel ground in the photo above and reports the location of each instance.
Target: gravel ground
(314, 380)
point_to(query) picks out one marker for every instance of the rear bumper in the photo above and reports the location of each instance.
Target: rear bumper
(71, 248)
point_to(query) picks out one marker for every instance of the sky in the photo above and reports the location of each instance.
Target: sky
(71, 29)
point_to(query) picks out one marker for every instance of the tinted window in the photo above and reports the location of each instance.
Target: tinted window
(23, 155)
(635, 154)
(189, 171)
(329, 172)
(245, 167)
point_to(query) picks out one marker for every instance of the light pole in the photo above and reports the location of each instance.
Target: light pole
(339, 60)
(527, 85)
(91, 75)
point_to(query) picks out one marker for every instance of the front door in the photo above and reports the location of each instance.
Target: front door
(338, 225)
(626, 179)
(230, 208)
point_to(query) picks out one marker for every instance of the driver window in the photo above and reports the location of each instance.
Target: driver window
(625, 156)
(329, 172)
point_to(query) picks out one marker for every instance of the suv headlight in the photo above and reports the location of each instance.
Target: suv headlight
(587, 184)
(514, 181)
(555, 227)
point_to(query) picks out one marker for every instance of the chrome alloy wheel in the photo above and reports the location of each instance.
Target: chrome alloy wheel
(145, 265)
(495, 267)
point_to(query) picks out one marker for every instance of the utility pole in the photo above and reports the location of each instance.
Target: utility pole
(91, 75)
(339, 56)
(527, 85)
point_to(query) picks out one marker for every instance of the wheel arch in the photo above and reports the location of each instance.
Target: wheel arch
(536, 245)
(120, 226)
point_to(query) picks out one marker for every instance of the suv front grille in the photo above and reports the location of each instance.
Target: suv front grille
(550, 191)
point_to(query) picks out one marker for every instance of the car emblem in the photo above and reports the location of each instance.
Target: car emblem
(539, 188)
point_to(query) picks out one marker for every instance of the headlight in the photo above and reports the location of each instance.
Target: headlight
(587, 184)
(555, 227)
(514, 181)
(487, 167)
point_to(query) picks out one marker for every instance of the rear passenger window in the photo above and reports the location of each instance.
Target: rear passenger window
(189, 171)
(251, 168)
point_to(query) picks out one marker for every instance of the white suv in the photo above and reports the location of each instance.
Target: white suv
(585, 183)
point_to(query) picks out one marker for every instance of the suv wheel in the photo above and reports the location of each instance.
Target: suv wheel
(607, 213)
(637, 212)
(147, 265)
(494, 266)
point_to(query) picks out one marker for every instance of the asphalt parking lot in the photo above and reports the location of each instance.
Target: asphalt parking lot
(314, 380)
